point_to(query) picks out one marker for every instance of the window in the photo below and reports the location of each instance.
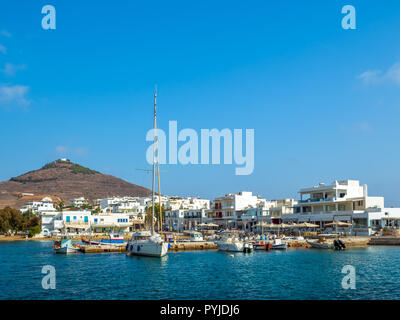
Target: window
(68, 218)
(74, 217)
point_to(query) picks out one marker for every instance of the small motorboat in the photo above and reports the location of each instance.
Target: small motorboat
(277, 244)
(262, 245)
(196, 236)
(230, 244)
(319, 245)
(64, 246)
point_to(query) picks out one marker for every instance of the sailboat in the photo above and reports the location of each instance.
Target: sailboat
(150, 243)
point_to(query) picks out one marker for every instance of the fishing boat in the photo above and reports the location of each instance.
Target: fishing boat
(114, 239)
(230, 244)
(319, 245)
(147, 243)
(277, 244)
(64, 246)
(196, 236)
(262, 245)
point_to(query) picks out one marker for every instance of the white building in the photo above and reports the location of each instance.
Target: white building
(65, 222)
(249, 217)
(116, 222)
(225, 211)
(81, 222)
(345, 201)
(78, 202)
(174, 220)
(281, 207)
(76, 221)
(175, 203)
(39, 206)
(182, 219)
(123, 204)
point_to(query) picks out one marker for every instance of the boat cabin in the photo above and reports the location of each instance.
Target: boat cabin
(143, 235)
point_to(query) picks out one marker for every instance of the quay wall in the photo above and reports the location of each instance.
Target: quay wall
(385, 241)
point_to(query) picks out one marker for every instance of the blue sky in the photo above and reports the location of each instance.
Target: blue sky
(323, 101)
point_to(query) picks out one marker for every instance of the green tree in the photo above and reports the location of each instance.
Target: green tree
(60, 206)
(34, 230)
(148, 219)
(12, 219)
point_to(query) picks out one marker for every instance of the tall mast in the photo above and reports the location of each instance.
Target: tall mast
(159, 220)
(159, 192)
(154, 163)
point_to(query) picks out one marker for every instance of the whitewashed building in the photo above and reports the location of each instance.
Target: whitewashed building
(182, 219)
(78, 202)
(346, 201)
(39, 206)
(226, 211)
(74, 222)
(82, 222)
(115, 222)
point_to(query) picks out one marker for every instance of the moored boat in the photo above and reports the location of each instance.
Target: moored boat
(64, 246)
(146, 244)
(277, 244)
(319, 245)
(230, 244)
(196, 236)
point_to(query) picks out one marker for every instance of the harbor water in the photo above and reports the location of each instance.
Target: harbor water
(293, 274)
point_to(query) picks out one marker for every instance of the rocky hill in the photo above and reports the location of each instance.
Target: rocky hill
(64, 180)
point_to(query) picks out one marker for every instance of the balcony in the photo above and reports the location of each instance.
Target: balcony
(319, 200)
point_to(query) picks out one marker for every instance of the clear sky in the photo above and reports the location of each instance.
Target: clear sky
(323, 101)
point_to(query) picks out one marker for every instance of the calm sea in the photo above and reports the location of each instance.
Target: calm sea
(294, 274)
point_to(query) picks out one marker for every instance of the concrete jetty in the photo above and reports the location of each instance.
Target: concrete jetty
(384, 241)
(198, 245)
(102, 248)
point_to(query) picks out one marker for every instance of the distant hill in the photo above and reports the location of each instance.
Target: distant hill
(64, 180)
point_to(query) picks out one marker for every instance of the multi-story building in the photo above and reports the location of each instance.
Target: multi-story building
(345, 201)
(115, 222)
(281, 207)
(251, 216)
(174, 220)
(78, 202)
(226, 210)
(39, 206)
(180, 219)
(78, 222)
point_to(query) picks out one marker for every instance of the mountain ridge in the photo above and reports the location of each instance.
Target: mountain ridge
(65, 180)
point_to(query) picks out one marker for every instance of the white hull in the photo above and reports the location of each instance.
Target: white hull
(65, 250)
(229, 246)
(318, 245)
(282, 246)
(148, 248)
